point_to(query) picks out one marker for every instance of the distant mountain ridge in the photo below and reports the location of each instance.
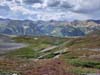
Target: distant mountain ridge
(48, 28)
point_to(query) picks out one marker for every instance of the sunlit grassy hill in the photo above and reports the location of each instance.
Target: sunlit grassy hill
(79, 54)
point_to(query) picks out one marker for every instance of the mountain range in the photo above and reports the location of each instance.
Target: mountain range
(48, 28)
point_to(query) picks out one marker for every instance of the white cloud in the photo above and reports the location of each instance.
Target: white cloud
(21, 9)
(37, 5)
(50, 9)
(87, 6)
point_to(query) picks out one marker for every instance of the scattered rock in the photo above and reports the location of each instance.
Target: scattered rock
(49, 49)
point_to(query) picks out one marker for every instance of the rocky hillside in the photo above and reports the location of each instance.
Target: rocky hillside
(53, 56)
(48, 28)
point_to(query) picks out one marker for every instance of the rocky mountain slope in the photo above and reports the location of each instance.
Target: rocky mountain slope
(48, 28)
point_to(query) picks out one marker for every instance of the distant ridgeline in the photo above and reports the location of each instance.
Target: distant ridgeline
(48, 28)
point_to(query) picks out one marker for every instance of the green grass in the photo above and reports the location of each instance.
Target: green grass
(2, 72)
(24, 52)
(85, 63)
(72, 56)
(35, 46)
(82, 71)
(51, 55)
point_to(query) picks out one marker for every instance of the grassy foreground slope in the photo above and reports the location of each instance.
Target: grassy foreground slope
(54, 56)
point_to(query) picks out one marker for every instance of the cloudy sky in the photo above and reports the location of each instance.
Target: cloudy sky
(50, 9)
